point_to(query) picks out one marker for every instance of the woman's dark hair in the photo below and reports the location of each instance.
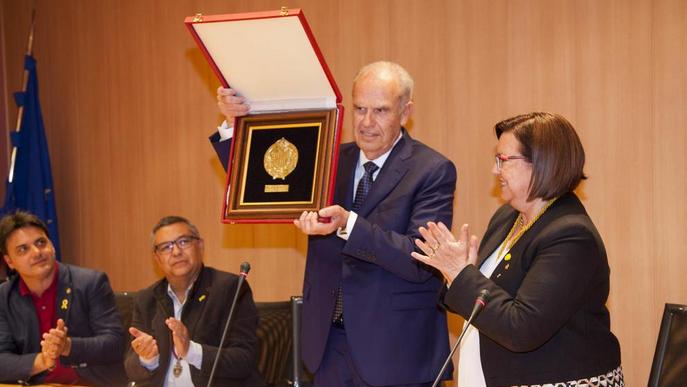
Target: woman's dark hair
(551, 144)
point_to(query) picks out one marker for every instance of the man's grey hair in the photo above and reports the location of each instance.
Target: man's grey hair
(172, 219)
(405, 81)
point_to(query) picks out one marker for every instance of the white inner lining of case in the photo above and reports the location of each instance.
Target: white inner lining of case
(269, 61)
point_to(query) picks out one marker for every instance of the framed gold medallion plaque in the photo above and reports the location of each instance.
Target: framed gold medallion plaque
(281, 165)
(284, 153)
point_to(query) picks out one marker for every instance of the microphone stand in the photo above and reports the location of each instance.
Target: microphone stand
(480, 303)
(245, 268)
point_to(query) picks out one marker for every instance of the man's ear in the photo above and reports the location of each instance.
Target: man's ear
(407, 111)
(156, 259)
(8, 261)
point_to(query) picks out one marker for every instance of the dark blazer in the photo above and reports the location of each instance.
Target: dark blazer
(91, 317)
(205, 314)
(395, 330)
(547, 320)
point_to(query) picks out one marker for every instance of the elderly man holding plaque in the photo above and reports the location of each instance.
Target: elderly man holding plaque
(370, 314)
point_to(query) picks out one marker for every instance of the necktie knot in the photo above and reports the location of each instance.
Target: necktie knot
(370, 167)
(364, 185)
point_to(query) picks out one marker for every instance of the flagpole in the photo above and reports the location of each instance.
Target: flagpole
(24, 84)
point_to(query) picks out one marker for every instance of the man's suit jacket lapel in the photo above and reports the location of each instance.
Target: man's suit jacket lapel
(65, 292)
(197, 299)
(163, 300)
(390, 175)
(23, 305)
(165, 342)
(494, 239)
(348, 159)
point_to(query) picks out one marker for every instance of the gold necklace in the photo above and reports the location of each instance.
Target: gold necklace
(521, 220)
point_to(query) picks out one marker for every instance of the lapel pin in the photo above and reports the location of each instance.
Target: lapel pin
(507, 257)
(507, 266)
(65, 304)
(68, 291)
(201, 298)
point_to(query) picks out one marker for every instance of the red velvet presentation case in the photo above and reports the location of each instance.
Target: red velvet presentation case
(284, 153)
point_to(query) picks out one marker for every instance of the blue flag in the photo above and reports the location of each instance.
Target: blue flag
(31, 188)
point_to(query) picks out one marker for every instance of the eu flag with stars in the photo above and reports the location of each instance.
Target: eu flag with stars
(29, 185)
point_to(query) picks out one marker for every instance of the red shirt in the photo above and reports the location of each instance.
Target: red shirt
(45, 307)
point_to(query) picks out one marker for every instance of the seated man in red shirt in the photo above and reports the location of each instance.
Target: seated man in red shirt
(58, 323)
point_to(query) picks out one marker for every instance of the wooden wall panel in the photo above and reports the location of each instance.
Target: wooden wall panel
(129, 101)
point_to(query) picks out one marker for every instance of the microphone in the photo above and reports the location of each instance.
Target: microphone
(245, 268)
(480, 302)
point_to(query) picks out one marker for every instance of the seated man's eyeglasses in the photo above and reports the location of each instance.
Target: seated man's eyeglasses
(183, 243)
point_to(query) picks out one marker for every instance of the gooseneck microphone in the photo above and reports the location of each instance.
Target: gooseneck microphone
(245, 268)
(480, 303)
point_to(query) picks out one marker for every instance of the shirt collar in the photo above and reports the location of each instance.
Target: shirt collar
(24, 289)
(170, 291)
(379, 161)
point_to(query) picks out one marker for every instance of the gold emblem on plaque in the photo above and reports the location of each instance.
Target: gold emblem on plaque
(280, 159)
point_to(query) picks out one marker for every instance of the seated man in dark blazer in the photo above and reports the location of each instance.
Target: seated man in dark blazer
(58, 323)
(178, 321)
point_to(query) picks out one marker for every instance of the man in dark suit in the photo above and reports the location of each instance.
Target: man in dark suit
(178, 321)
(58, 323)
(370, 314)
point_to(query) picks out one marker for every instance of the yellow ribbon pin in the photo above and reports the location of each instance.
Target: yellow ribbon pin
(65, 303)
(201, 298)
(507, 257)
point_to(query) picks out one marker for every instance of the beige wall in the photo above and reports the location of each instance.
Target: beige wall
(128, 102)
